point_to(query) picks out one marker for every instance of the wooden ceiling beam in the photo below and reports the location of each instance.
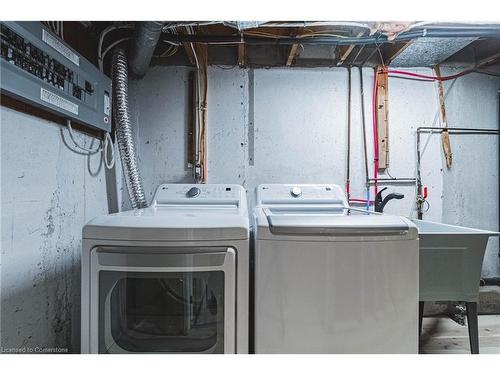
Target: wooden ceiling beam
(348, 51)
(398, 52)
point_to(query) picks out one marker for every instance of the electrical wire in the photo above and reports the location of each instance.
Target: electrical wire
(103, 147)
(228, 67)
(313, 34)
(111, 46)
(316, 23)
(199, 156)
(105, 32)
(108, 144)
(171, 50)
(83, 148)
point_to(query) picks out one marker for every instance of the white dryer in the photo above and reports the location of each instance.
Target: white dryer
(332, 280)
(170, 278)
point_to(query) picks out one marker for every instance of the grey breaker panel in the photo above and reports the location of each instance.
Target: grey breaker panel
(37, 67)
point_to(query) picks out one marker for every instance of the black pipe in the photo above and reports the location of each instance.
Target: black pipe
(363, 125)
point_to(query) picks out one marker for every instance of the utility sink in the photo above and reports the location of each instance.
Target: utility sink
(451, 258)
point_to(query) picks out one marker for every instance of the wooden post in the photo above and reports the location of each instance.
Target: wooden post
(187, 47)
(292, 54)
(294, 49)
(383, 118)
(241, 55)
(445, 137)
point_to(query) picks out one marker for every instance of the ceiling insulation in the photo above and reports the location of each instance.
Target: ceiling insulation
(429, 51)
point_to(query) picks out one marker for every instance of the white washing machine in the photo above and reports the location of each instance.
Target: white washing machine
(170, 278)
(331, 280)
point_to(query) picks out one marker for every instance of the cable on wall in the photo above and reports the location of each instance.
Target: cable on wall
(104, 146)
(200, 56)
(105, 32)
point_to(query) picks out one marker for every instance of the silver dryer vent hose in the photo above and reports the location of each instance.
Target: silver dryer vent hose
(124, 129)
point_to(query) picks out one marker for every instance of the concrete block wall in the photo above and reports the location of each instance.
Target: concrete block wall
(47, 194)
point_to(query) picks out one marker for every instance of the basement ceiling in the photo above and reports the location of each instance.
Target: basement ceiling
(255, 44)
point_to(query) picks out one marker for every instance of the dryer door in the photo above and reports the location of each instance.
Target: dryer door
(173, 301)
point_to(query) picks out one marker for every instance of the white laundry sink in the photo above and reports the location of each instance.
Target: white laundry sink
(451, 258)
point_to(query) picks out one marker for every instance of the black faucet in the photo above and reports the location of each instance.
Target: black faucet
(380, 203)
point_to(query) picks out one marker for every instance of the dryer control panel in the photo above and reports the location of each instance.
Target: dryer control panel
(300, 194)
(200, 194)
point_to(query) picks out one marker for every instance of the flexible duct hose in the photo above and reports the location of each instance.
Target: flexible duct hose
(124, 129)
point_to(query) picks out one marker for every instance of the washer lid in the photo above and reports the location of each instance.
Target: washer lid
(321, 224)
(336, 224)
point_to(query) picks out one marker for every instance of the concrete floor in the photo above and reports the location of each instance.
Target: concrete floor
(441, 335)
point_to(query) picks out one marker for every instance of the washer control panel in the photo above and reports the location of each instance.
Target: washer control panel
(275, 194)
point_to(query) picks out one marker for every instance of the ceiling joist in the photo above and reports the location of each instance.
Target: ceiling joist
(348, 51)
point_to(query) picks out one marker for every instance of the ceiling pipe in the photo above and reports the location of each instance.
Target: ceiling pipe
(452, 32)
(146, 36)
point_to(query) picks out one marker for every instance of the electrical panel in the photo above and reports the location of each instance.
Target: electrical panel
(37, 67)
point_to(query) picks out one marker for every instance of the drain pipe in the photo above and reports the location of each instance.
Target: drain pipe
(125, 140)
(146, 36)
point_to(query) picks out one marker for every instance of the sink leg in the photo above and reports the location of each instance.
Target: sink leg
(420, 317)
(473, 327)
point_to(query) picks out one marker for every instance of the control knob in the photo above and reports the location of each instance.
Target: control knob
(193, 192)
(296, 192)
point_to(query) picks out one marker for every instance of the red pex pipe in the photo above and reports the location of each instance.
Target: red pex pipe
(375, 131)
(359, 200)
(425, 76)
